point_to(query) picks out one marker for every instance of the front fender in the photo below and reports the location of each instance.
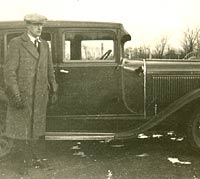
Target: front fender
(157, 119)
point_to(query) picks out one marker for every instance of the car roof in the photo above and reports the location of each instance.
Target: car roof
(21, 24)
(5, 25)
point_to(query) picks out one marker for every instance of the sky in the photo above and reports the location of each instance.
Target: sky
(146, 20)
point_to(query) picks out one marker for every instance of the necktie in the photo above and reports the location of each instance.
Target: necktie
(37, 45)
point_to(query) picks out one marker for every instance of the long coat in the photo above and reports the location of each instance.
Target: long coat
(30, 75)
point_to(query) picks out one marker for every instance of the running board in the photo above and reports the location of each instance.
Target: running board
(78, 136)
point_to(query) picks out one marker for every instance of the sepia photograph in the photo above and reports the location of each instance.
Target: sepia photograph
(96, 89)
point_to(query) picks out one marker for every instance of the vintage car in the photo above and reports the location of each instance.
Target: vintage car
(104, 96)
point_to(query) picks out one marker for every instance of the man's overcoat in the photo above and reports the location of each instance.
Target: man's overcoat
(30, 75)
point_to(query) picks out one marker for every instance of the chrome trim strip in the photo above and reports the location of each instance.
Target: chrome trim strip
(78, 136)
(86, 64)
(101, 116)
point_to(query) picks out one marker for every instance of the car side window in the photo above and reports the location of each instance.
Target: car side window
(45, 35)
(10, 36)
(88, 46)
(95, 50)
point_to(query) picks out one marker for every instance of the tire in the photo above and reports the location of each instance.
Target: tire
(193, 131)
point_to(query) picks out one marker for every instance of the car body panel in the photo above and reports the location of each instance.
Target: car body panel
(106, 98)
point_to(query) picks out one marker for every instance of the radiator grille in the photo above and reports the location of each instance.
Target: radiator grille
(167, 88)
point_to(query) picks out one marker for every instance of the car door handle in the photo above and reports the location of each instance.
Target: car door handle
(64, 71)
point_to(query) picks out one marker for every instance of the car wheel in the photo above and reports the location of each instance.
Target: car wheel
(193, 132)
(5, 146)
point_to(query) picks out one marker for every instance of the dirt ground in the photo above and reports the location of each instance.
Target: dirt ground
(150, 156)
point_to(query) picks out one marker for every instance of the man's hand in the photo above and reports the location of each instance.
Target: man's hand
(53, 98)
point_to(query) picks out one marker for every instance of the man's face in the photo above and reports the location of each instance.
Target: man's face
(34, 29)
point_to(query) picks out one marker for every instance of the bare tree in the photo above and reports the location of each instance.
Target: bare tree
(191, 41)
(160, 47)
(172, 53)
(138, 52)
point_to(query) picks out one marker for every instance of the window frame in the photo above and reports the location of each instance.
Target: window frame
(90, 30)
(5, 40)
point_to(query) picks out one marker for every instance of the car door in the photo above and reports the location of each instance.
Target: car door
(95, 92)
(89, 81)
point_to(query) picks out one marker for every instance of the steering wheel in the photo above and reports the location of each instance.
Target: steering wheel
(105, 55)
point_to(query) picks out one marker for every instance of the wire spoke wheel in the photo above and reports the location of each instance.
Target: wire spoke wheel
(194, 132)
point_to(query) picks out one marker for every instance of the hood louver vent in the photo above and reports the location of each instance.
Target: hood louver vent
(168, 88)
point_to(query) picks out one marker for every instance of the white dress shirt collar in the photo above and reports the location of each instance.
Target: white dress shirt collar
(33, 38)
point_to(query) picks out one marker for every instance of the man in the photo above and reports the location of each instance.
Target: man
(29, 78)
